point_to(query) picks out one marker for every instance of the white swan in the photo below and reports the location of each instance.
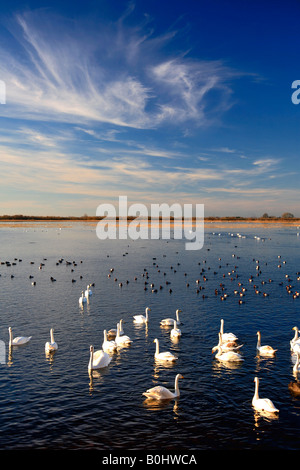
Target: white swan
(296, 367)
(226, 346)
(122, 340)
(175, 332)
(52, 345)
(98, 359)
(264, 350)
(19, 340)
(162, 393)
(163, 356)
(228, 356)
(108, 346)
(82, 298)
(262, 404)
(170, 321)
(226, 336)
(142, 318)
(88, 291)
(112, 333)
(295, 342)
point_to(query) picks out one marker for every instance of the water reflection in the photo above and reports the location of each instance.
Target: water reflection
(262, 415)
(158, 405)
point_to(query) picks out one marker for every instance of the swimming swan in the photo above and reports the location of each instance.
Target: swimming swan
(163, 356)
(98, 359)
(19, 340)
(175, 332)
(122, 340)
(227, 356)
(108, 346)
(52, 345)
(264, 350)
(226, 336)
(162, 393)
(112, 333)
(82, 299)
(88, 291)
(295, 342)
(262, 404)
(170, 321)
(226, 346)
(141, 318)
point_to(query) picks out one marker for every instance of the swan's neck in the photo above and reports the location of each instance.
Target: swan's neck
(256, 396)
(296, 335)
(51, 336)
(258, 340)
(146, 314)
(157, 347)
(118, 330)
(177, 393)
(222, 327)
(105, 335)
(175, 324)
(219, 351)
(91, 359)
(10, 337)
(177, 316)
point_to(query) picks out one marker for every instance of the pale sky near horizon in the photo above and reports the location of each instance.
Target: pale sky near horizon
(162, 102)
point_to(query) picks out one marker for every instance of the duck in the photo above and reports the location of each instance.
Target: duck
(51, 345)
(264, 350)
(175, 332)
(122, 340)
(98, 359)
(262, 404)
(142, 318)
(227, 336)
(170, 321)
(159, 392)
(108, 345)
(19, 340)
(163, 356)
(82, 298)
(227, 356)
(226, 346)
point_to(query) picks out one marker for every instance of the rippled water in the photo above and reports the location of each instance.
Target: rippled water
(53, 403)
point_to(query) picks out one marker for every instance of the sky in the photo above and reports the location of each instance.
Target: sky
(185, 102)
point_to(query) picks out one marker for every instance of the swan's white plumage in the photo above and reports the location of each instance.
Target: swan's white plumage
(162, 393)
(295, 342)
(262, 404)
(82, 298)
(170, 321)
(51, 345)
(226, 346)
(18, 340)
(122, 340)
(98, 359)
(227, 356)
(163, 356)
(264, 350)
(88, 291)
(142, 318)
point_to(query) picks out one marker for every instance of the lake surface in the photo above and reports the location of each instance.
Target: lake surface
(54, 403)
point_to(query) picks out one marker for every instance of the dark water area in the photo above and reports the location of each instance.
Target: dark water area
(54, 403)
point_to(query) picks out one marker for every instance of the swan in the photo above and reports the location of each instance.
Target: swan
(296, 367)
(19, 340)
(98, 359)
(162, 393)
(108, 346)
(175, 332)
(226, 336)
(227, 356)
(52, 345)
(82, 299)
(264, 350)
(113, 331)
(163, 356)
(262, 404)
(295, 342)
(141, 318)
(227, 346)
(88, 291)
(122, 340)
(170, 321)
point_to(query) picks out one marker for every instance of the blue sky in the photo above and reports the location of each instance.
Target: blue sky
(169, 101)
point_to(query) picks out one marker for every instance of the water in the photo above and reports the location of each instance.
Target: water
(53, 403)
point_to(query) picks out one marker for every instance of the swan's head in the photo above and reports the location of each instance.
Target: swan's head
(155, 340)
(214, 349)
(179, 376)
(178, 310)
(148, 309)
(256, 380)
(92, 348)
(258, 333)
(295, 328)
